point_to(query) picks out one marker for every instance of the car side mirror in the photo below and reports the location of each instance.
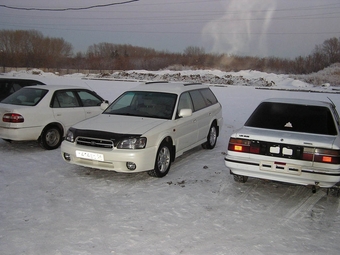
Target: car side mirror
(104, 105)
(185, 113)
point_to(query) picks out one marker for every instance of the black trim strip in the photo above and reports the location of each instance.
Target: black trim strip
(241, 162)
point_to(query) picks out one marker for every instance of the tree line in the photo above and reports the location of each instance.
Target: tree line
(31, 49)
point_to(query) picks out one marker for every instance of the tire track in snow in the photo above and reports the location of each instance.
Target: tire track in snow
(304, 206)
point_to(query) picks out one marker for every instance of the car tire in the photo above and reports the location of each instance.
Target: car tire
(50, 138)
(162, 162)
(240, 178)
(211, 138)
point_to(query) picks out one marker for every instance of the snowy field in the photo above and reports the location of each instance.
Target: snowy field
(48, 206)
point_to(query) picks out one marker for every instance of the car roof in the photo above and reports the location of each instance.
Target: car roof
(54, 87)
(168, 87)
(19, 78)
(299, 101)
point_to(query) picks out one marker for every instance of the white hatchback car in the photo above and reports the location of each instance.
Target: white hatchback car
(44, 113)
(146, 128)
(288, 140)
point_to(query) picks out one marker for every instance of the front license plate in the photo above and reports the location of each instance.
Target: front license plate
(90, 155)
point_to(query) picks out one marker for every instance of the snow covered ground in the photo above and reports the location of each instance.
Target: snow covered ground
(48, 206)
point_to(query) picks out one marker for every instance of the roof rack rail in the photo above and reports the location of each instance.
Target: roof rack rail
(192, 83)
(151, 82)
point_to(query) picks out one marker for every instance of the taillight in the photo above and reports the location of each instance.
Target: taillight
(13, 118)
(321, 155)
(285, 151)
(243, 145)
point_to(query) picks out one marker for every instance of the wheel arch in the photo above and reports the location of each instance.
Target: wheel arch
(170, 141)
(53, 124)
(217, 126)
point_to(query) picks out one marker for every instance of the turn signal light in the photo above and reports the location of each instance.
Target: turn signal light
(327, 159)
(13, 118)
(238, 147)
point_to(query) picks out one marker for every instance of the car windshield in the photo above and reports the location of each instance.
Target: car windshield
(293, 117)
(144, 104)
(25, 96)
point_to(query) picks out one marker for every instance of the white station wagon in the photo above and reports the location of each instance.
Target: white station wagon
(288, 140)
(45, 112)
(146, 128)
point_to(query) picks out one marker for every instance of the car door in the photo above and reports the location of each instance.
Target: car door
(91, 103)
(202, 114)
(66, 108)
(186, 127)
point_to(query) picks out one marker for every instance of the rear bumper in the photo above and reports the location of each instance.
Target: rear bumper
(20, 134)
(291, 173)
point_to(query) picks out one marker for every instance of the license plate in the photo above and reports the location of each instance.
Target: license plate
(90, 155)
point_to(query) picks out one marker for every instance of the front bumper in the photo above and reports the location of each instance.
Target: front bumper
(113, 159)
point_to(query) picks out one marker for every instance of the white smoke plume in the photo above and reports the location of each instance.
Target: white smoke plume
(242, 30)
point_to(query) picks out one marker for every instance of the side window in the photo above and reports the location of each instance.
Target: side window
(15, 87)
(198, 100)
(89, 99)
(4, 87)
(209, 96)
(64, 99)
(184, 102)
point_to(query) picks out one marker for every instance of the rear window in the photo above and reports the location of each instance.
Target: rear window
(9, 86)
(293, 117)
(27, 97)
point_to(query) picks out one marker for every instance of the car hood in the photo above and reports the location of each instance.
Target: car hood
(286, 137)
(119, 124)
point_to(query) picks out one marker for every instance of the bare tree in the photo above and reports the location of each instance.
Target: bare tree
(31, 49)
(331, 48)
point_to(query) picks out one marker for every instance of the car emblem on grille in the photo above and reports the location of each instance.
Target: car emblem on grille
(93, 143)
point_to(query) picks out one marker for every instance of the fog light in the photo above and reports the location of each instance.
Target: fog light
(131, 166)
(67, 156)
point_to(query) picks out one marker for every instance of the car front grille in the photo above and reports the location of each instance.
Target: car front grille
(94, 142)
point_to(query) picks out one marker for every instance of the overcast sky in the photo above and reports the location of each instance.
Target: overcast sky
(280, 28)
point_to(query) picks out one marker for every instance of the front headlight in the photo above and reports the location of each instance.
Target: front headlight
(132, 143)
(70, 135)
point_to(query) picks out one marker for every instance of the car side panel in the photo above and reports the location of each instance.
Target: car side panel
(185, 132)
(91, 111)
(69, 116)
(207, 115)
